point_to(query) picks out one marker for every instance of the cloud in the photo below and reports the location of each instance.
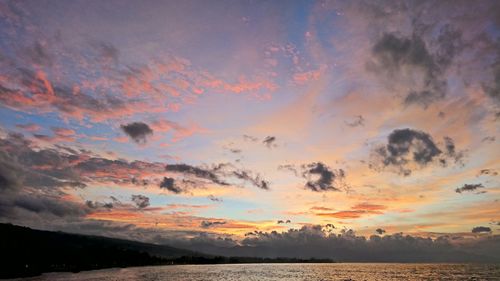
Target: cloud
(138, 131)
(223, 174)
(214, 199)
(481, 229)
(489, 139)
(108, 52)
(327, 178)
(401, 58)
(15, 206)
(250, 138)
(469, 187)
(38, 54)
(488, 172)
(208, 224)
(23, 166)
(98, 205)
(34, 91)
(369, 207)
(35, 181)
(269, 141)
(358, 121)
(319, 208)
(195, 171)
(169, 184)
(301, 78)
(240, 86)
(356, 211)
(319, 176)
(254, 180)
(179, 132)
(492, 87)
(29, 127)
(140, 201)
(344, 245)
(408, 146)
(59, 135)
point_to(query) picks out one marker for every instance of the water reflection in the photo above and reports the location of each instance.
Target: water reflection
(289, 272)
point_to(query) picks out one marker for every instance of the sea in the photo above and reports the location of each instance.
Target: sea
(291, 272)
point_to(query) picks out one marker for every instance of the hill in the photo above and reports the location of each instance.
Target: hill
(29, 252)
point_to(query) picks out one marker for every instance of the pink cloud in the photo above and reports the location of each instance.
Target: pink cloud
(179, 132)
(59, 135)
(29, 127)
(304, 77)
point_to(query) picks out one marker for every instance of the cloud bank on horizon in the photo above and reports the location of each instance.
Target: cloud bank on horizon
(210, 121)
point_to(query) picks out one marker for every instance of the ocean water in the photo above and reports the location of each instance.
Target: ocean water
(291, 272)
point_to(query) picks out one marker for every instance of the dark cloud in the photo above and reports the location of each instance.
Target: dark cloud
(488, 172)
(39, 54)
(449, 145)
(306, 242)
(344, 245)
(451, 153)
(108, 51)
(140, 201)
(380, 231)
(326, 177)
(138, 131)
(356, 122)
(169, 184)
(469, 187)
(407, 146)
(488, 139)
(254, 180)
(289, 167)
(16, 206)
(250, 138)
(22, 166)
(409, 57)
(98, 205)
(269, 141)
(34, 181)
(214, 199)
(222, 174)
(319, 176)
(492, 87)
(400, 142)
(481, 229)
(208, 224)
(208, 174)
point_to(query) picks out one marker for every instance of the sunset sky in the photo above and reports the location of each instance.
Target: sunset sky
(179, 119)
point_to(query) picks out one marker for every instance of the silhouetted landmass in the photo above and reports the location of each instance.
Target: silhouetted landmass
(29, 252)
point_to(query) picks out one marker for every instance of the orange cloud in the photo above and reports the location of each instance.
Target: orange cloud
(356, 211)
(319, 208)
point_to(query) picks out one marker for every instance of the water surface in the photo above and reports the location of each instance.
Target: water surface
(289, 272)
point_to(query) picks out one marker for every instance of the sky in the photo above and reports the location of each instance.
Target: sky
(233, 121)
